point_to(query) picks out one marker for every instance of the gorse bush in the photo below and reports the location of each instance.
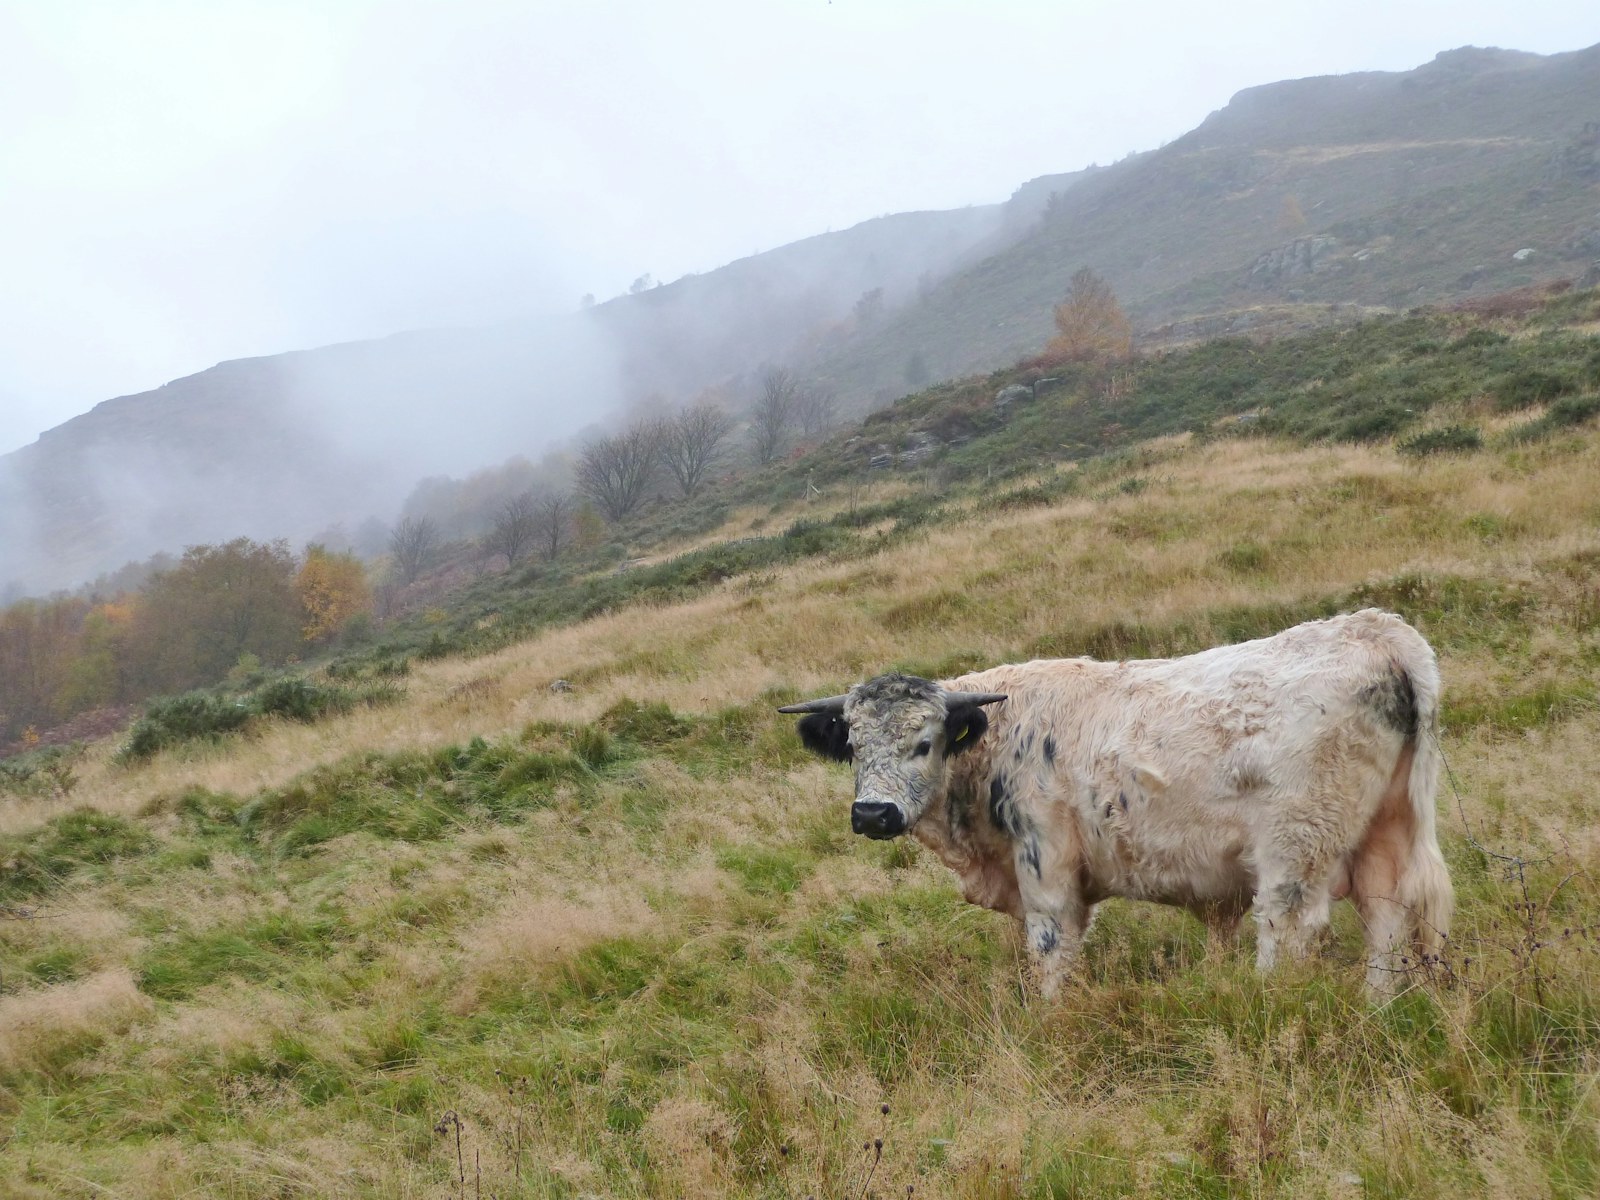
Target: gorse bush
(1449, 439)
(193, 716)
(1566, 413)
(201, 716)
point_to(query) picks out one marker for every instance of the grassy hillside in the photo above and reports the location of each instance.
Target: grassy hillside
(502, 940)
(1378, 188)
(1527, 367)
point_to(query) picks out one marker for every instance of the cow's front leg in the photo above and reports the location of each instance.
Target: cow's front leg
(1290, 914)
(1053, 946)
(1054, 919)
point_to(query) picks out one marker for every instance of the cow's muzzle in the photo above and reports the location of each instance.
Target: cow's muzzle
(877, 819)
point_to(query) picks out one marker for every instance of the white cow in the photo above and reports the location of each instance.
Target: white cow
(1282, 774)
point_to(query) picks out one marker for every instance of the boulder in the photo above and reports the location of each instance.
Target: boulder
(1016, 393)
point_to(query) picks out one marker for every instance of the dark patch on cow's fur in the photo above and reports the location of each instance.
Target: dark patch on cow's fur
(1049, 749)
(1048, 937)
(1030, 853)
(1393, 701)
(1291, 894)
(1122, 798)
(1002, 809)
(826, 734)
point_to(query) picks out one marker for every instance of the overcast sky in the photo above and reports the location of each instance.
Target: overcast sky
(182, 183)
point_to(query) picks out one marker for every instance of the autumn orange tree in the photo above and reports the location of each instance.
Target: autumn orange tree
(1090, 323)
(332, 589)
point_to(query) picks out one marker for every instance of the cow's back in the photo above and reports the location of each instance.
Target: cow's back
(1167, 769)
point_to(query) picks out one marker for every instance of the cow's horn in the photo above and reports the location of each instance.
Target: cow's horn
(826, 704)
(954, 699)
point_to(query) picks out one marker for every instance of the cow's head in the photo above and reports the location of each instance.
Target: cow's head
(900, 732)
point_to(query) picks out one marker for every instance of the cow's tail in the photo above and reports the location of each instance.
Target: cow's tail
(1425, 887)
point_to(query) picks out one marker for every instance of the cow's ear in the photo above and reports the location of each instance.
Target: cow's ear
(827, 734)
(963, 726)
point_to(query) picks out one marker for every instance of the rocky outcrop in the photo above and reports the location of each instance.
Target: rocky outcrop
(1293, 260)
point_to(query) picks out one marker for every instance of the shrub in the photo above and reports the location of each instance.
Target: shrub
(203, 716)
(1449, 439)
(300, 700)
(1530, 386)
(1373, 425)
(1563, 414)
(652, 724)
(190, 717)
(46, 772)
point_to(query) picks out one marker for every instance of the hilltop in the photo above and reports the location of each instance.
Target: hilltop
(1311, 198)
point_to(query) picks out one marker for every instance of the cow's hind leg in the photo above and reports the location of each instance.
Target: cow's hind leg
(1375, 888)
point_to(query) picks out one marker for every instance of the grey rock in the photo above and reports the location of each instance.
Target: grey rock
(1015, 394)
(920, 447)
(1303, 256)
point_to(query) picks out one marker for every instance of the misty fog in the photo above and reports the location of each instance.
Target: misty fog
(293, 445)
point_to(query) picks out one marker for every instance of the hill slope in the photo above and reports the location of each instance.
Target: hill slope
(619, 940)
(1372, 189)
(1377, 189)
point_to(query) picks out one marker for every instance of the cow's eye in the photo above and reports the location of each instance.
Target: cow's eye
(922, 748)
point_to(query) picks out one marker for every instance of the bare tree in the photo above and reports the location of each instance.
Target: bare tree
(772, 415)
(553, 523)
(691, 444)
(515, 528)
(615, 472)
(414, 544)
(816, 408)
